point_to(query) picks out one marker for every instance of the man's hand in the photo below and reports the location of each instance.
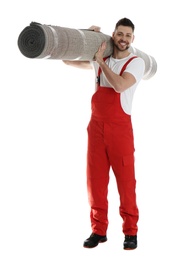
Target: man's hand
(94, 28)
(100, 54)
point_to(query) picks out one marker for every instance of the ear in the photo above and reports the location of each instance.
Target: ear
(133, 38)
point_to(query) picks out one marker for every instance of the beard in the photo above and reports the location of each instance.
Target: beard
(127, 47)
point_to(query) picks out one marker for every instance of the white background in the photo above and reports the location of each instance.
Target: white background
(44, 112)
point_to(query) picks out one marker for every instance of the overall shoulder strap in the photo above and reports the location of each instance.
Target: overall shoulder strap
(125, 65)
(99, 70)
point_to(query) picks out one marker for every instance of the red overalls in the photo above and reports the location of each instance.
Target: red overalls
(110, 144)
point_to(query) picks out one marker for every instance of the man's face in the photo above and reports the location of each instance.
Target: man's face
(123, 36)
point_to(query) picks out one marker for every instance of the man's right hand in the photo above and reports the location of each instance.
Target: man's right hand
(94, 28)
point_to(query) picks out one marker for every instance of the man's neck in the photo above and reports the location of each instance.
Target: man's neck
(120, 54)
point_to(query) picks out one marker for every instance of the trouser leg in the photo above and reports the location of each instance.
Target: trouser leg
(122, 162)
(97, 178)
(126, 184)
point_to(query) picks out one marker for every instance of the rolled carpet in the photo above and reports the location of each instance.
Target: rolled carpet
(55, 42)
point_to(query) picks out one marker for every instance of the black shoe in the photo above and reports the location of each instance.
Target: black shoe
(94, 240)
(130, 242)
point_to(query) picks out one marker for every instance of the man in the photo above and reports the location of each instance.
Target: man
(110, 134)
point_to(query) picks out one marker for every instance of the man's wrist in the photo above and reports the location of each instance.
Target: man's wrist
(101, 62)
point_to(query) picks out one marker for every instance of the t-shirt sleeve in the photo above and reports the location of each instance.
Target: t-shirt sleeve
(137, 68)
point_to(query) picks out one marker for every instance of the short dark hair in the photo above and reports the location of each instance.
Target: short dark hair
(125, 22)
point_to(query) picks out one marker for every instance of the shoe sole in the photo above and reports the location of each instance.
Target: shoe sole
(101, 241)
(128, 248)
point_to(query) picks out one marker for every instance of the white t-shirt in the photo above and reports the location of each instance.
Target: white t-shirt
(136, 67)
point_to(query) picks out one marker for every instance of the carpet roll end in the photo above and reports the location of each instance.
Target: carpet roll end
(31, 41)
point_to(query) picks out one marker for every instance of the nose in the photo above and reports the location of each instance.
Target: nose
(123, 38)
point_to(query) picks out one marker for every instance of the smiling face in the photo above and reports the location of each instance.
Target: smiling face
(123, 37)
